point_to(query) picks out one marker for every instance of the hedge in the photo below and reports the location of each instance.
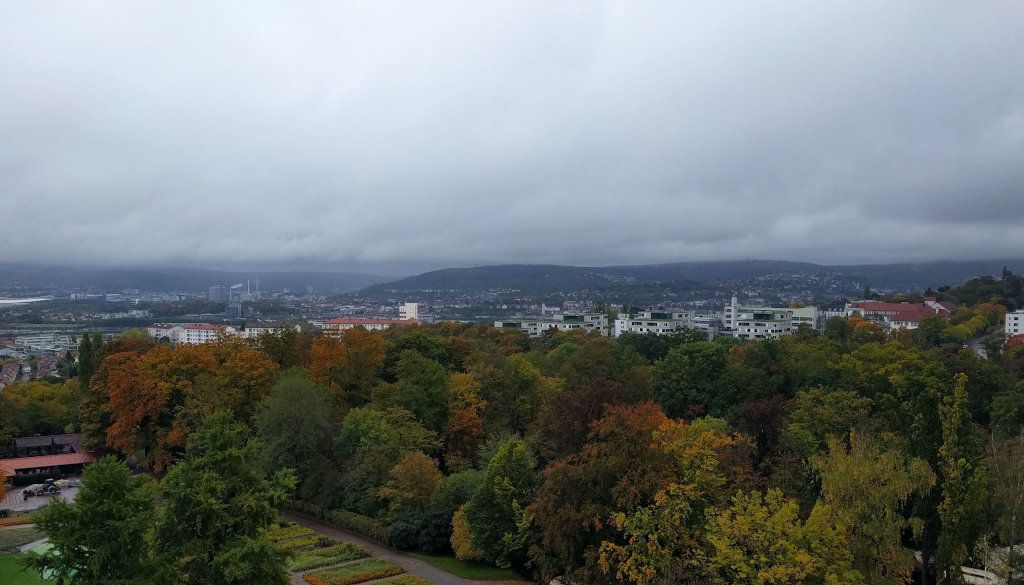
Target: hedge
(363, 525)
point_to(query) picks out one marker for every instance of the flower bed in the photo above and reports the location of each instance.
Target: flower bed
(408, 580)
(354, 573)
(324, 557)
(289, 530)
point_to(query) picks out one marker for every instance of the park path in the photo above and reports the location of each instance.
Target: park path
(412, 565)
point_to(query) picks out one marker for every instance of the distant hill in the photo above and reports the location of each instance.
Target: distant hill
(549, 278)
(37, 277)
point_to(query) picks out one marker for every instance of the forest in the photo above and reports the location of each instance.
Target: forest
(827, 457)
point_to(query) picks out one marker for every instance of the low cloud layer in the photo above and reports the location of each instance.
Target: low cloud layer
(458, 133)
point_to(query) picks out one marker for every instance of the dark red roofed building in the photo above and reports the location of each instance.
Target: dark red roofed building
(897, 315)
(68, 463)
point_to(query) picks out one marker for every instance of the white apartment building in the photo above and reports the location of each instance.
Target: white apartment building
(169, 331)
(589, 322)
(203, 332)
(409, 311)
(659, 322)
(1015, 323)
(339, 324)
(256, 329)
(768, 322)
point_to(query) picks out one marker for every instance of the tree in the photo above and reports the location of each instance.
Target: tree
(414, 481)
(453, 492)
(495, 513)
(293, 425)
(618, 471)
(218, 504)
(661, 541)
(866, 488)
(684, 381)
(763, 541)
(963, 485)
(106, 535)
(462, 538)
(420, 388)
(348, 364)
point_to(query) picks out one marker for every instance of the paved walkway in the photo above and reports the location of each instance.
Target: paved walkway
(412, 565)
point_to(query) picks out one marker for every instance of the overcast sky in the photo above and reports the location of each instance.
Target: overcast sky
(369, 134)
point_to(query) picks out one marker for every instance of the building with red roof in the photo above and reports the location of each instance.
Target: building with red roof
(66, 462)
(896, 315)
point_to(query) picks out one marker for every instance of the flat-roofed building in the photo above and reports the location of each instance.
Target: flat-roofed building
(339, 324)
(658, 322)
(588, 322)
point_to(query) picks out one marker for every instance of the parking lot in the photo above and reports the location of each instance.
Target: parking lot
(16, 502)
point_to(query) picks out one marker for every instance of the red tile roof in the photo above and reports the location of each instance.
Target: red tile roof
(205, 326)
(897, 311)
(11, 466)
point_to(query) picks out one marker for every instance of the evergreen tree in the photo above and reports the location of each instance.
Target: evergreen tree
(218, 504)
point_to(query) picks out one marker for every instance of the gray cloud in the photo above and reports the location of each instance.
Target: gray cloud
(455, 133)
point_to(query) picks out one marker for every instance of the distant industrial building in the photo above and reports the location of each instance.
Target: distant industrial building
(217, 294)
(43, 344)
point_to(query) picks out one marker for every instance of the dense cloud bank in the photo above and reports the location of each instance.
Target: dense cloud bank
(459, 133)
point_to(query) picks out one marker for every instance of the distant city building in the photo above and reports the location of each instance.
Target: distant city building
(203, 332)
(409, 311)
(659, 322)
(339, 324)
(894, 316)
(218, 294)
(257, 329)
(1015, 323)
(233, 310)
(43, 344)
(588, 322)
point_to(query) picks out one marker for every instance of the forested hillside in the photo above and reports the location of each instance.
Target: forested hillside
(812, 459)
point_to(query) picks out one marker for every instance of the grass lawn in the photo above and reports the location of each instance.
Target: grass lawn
(11, 573)
(15, 537)
(467, 570)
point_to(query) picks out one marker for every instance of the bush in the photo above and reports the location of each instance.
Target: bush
(312, 541)
(289, 530)
(363, 525)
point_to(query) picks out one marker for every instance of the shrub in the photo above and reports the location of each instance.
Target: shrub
(312, 541)
(289, 530)
(408, 580)
(364, 525)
